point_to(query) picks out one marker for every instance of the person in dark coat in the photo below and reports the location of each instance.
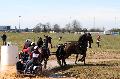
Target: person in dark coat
(46, 41)
(49, 41)
(4, 37)
(39, 42)
(90, 40)
(45, 44)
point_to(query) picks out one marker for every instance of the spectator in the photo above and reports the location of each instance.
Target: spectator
(49, 42)
(4, 37)
(90, 40)
(46, 41)
(98, 40)
(39, 42)
(45, 44)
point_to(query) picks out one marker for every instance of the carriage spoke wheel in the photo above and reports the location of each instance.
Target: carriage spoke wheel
(38, 71)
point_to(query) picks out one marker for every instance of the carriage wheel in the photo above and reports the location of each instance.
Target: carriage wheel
(38, 71)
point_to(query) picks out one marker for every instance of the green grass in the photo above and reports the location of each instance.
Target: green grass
(108, 42)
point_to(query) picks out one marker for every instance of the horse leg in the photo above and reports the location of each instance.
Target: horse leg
(63, 61)
(83, 58)
(76, 59)
(84, 61)
(58, 60)
(45, 63)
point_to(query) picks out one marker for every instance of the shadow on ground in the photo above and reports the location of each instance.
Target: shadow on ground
(67, 71)
(54, 71)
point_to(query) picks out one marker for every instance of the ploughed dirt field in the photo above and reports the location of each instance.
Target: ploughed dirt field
(99, 65)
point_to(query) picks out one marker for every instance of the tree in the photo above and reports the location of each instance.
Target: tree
(68, 27)
(63, 30)
(76, 27)
(115, 30)
(26, 29)
(56, 28)
(95, 30)
(48, 26)
(44, 29)
(38, 27)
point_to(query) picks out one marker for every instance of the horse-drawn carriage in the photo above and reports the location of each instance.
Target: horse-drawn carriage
(63, 51)
(27, 66)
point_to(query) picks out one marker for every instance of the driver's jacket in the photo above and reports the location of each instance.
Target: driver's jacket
(35, 56)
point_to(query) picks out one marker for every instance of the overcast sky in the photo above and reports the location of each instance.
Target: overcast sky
(103, 12)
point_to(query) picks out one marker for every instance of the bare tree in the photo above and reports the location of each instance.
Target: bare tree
(68, 27)
(76, 26)
(26, 30)
(38, 27)
(48, 26)
(95, 30)
(42, 27)
(56, 28)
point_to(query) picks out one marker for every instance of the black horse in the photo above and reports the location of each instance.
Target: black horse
(60, 54)
(76, 47)
(44, 55)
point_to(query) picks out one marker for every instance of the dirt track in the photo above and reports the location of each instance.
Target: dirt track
(10, 71)
(53, 63)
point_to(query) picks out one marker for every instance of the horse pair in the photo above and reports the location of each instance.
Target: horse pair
(74, 47)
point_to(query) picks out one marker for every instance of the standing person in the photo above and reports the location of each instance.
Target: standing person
(90, 40)
(45, 44)
(4, 37)
(49, 42)
(98, 40)
(46, 41)
(39, 42)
